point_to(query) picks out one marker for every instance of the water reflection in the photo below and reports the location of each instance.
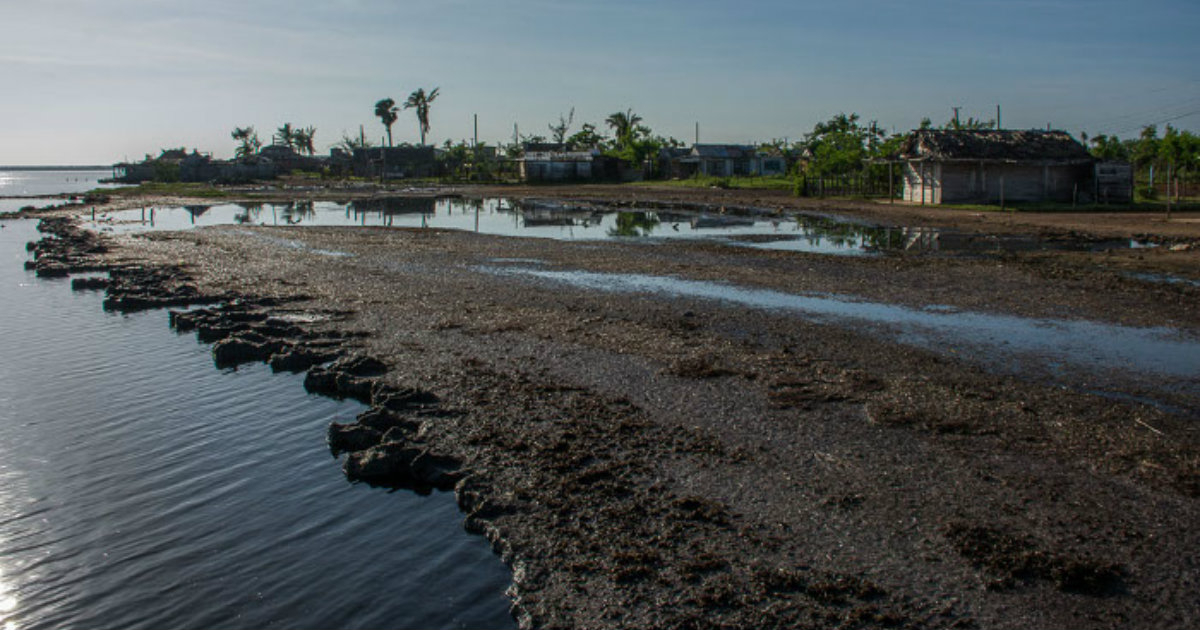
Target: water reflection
(196, 211)
(574, 221)
(632, 224)
(8, 604)
(249, 214)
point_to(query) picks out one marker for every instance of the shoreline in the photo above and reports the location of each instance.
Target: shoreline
(674, 462)
(1177, 250)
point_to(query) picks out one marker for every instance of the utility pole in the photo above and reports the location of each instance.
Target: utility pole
(476, 142)
(997, 117)
(697, 132)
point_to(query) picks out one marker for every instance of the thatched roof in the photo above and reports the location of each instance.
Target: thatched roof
(992, 145)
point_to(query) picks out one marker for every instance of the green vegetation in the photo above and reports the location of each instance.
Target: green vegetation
(420, 102)
(1176, 155)
(349, 144)
(248, 142)
(166, 172)
(559, 131)
(839, 155)
(388, 113)
(463, 162)
(166, 189)
(300, 139)
(775, 182)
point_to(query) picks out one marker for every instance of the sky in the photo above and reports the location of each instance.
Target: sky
(89, 82)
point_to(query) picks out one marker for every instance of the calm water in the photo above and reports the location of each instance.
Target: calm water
(564, 221)
(507, 218)
(13, 204)
(23, 183)
(142, 488)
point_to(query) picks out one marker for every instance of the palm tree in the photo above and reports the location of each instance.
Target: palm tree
(387, 112)
(302, 140)
(624, 125)
(248, 139)
(420, 101)
(285, 135)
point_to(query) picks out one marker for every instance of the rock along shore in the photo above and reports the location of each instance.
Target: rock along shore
(653, 462)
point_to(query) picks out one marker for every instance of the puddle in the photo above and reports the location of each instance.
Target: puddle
(1162, 278)
(1005, 342)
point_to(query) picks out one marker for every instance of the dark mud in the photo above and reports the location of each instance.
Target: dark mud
(681, 463)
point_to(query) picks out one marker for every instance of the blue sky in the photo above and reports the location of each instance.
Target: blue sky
(97, 82)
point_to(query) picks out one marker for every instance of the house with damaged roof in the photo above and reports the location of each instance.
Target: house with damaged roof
(1000, 165)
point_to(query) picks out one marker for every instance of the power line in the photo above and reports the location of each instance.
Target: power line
(1159, 122)
(1157, 112)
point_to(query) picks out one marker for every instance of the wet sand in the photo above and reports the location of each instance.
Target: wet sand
(649, 460)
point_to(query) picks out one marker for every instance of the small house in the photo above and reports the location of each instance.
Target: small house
(727, 160)
(543, 162)
(395, 162)
(994, 165)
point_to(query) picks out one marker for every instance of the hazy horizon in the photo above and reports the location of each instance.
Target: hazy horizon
(98, 83)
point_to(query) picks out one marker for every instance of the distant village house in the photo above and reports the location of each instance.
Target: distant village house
(395, 162)
(990, 166)
(728, 160)
(550, 162)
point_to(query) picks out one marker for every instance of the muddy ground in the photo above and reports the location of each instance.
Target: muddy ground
(647, 461)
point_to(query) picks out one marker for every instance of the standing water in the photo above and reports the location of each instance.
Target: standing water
(35, 181)
(142, 488)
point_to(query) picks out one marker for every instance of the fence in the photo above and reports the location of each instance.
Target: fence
(860, 185)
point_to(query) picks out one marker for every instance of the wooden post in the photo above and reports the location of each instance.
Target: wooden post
(1169, 191)
(1075, 196)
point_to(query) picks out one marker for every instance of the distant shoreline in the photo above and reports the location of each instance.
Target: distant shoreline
(103, 167)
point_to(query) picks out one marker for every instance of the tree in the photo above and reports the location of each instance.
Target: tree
(249, 143)
(586, 138)
(559, 131)
(349, 144)
(285, 135)
(839, 146)
(420, 102)
(625, 126)
(388, 113)
(1105, 147)
(1145, 152)
(302, 140)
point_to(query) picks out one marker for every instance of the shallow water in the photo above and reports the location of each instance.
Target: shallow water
(555, 220)
(29, 183)
(1001, 342)
(504, 217)
(142, 488)
(15, 204)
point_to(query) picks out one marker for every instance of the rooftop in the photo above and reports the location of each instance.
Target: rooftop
(1002, 145)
